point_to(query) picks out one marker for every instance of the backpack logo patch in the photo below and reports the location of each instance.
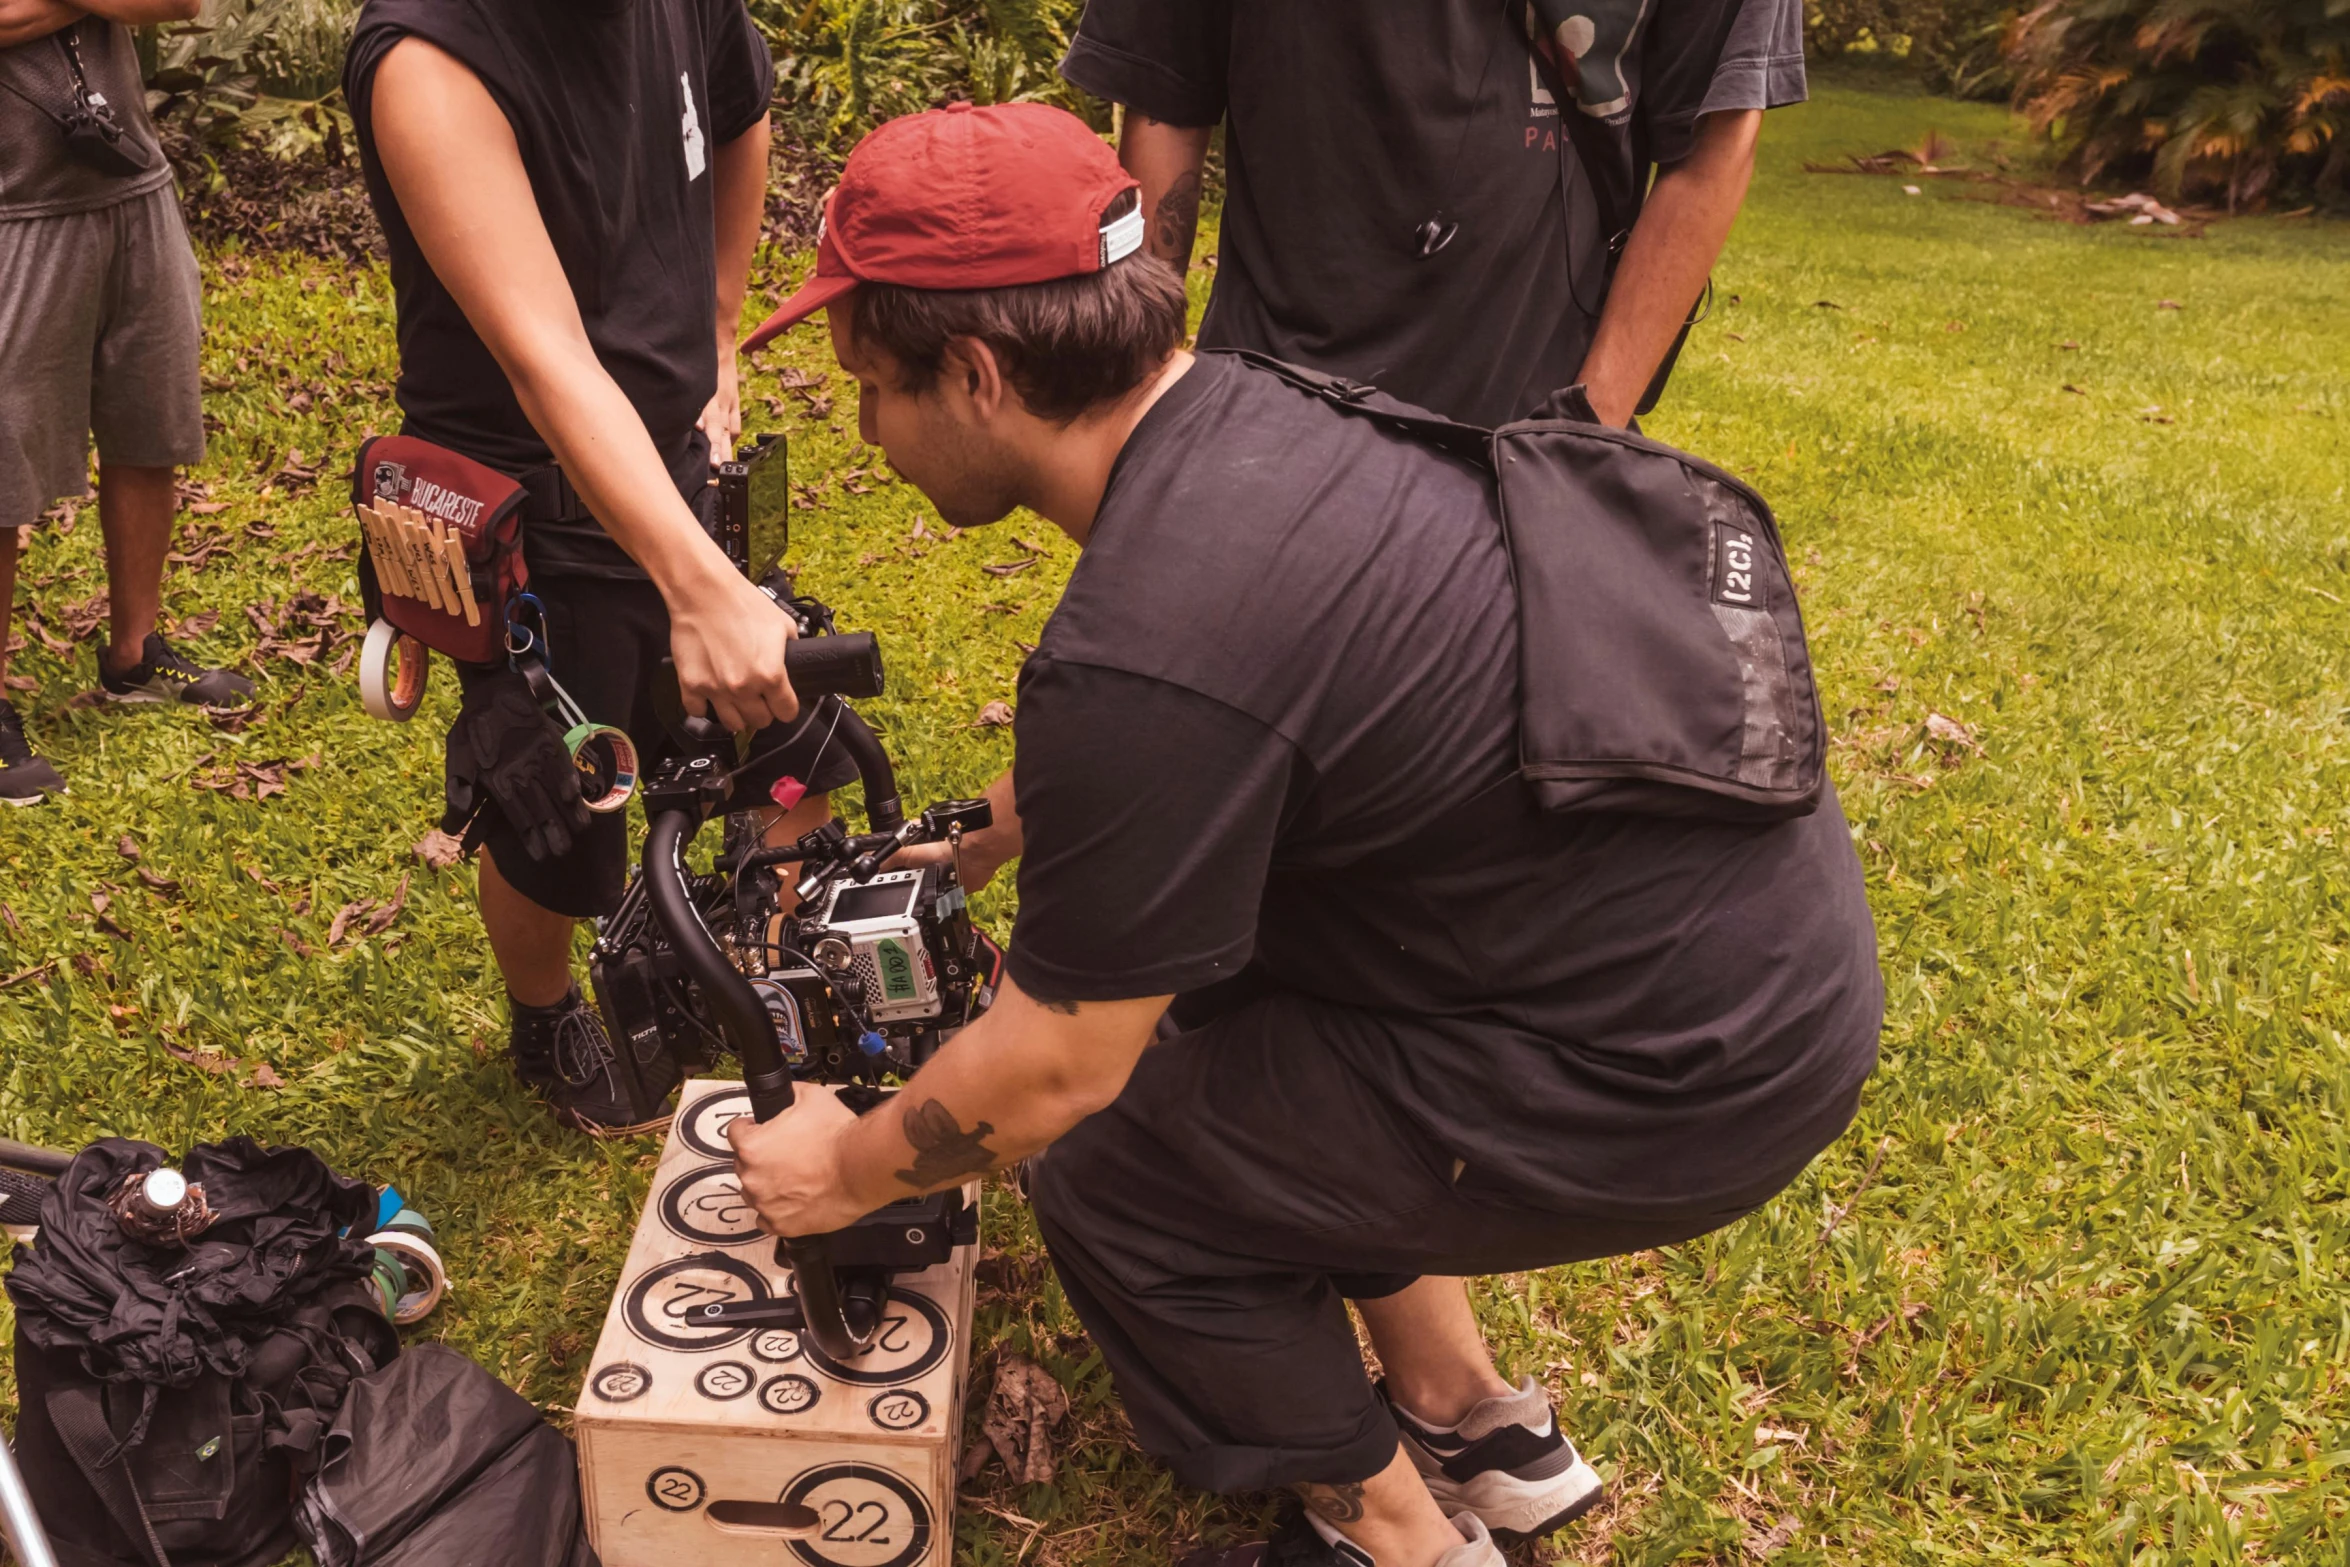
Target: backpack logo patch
(1735, 554)
(696, 159)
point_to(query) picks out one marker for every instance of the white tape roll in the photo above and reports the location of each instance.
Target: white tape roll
(417, 1254)
(393, 667)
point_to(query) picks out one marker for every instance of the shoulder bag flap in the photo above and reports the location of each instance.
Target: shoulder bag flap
(1662, 658)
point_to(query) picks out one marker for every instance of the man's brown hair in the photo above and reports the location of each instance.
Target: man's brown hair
(1066, 346)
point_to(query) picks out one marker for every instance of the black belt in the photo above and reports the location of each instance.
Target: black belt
(551, 497)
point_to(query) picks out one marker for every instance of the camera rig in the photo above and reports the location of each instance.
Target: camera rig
(813, 961)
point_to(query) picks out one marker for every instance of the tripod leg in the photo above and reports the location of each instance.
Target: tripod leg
(17, 1518)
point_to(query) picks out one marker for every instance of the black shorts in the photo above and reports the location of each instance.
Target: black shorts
(605, 643)
(1252, 1177)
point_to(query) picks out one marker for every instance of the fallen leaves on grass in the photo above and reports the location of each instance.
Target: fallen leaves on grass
(2137, 208)
(160, 884)
(1022, 1412)
(996, 715)
(27, 976)
(1950, 731)
(367, 916)
(128, 847)
(213, 1062)
(1009, 568)
(250, 781)
(439, 850)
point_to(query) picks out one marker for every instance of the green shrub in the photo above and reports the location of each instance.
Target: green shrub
(1953, 44)
(2234, 100)
(844, 66)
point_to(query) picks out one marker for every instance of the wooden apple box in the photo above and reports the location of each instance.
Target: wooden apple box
(676, 1417)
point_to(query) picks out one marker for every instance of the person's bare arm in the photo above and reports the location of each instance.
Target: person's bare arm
(738, 189)
(1673, 247)
(1167, 160)
(1006, 1086)
(453, 163)
(21, 21)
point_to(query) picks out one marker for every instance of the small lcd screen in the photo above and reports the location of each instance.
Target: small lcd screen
(879, 901)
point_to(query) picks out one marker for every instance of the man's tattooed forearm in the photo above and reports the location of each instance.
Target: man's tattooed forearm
(943, 1151)
(1336, 1503)
(1176, 223)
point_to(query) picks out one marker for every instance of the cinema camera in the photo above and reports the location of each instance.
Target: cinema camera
(813, 961)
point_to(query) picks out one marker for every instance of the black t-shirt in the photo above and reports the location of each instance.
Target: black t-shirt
(1271, 733)
(1348, 127)
(618, 108)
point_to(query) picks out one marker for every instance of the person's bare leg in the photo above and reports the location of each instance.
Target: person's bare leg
(11, 539)
(1391, 1515)
(135, 506)
(1432, 1350)
(532, 944)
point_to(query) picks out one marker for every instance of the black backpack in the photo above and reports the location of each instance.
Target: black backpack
(1661, 658)
(170, 1400)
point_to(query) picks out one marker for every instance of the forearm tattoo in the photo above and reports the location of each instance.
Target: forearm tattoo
(943, 1151)
(1176, 224)
(1065, 1008)
(1336, 1503)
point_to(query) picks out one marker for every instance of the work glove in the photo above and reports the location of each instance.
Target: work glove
(506, 753)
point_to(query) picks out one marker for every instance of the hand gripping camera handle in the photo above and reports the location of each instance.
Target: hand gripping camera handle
(847, 664)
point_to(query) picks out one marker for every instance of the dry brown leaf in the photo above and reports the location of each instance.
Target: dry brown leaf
(439, 850)
(21, 976)
(1950, 730)
(995, 715)
(265, 1076)
(381, 920)
(301, 947)
(23, 683)
(162, 884)
(206, 1060)
(1009, 568)
(14, 924)
(343, 918)
(128, 847)
(1022, 1411)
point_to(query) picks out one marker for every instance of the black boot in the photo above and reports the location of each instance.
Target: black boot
(564, 1052)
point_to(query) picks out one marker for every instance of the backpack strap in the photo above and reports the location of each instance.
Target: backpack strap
(79, 1415)
(1470, 443)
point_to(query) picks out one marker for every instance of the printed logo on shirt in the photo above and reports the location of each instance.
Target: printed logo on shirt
(696, 160)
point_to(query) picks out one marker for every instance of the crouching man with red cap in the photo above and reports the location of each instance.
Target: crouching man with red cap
(1309, 1000)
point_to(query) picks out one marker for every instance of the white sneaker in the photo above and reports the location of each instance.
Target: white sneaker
(1507, 1463)
(1475, 1550)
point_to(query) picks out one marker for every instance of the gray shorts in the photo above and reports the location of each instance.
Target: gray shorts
(101, 321)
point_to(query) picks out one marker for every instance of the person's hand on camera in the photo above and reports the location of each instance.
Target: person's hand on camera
(790, 1167)
(722, 416)
(729, 641)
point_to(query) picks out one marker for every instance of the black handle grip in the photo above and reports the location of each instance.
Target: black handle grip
(848, 664)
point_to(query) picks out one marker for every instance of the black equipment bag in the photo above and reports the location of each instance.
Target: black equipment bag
(169, 1399)
(1662, 664)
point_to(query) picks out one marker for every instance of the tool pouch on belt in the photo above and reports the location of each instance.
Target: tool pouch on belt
(442, 538)
(1661, 657)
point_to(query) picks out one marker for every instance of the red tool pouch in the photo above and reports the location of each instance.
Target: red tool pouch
(443, 545)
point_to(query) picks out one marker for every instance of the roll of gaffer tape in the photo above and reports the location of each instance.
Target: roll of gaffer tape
(417, 1258)
(607, 763)
(393, 667)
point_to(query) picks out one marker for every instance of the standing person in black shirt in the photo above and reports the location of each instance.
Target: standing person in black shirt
(1308, 997)
(1395, 207)
(571, 192)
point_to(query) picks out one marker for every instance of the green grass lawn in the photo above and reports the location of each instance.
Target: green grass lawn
(2076, 562)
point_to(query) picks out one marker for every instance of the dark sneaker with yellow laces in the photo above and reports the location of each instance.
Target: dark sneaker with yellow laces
(162, 675)
(564, 1052)
(25, 779)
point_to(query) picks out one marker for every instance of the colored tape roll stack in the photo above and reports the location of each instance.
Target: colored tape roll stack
(408, 1270)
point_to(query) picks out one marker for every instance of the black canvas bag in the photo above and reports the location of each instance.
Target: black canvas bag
(1662, 663)
(169, 1400)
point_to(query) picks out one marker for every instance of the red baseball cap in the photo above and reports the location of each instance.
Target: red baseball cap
(963, 197)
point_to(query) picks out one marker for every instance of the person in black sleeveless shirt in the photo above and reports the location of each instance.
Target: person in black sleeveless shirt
(571, 190)
(1307, 1000)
